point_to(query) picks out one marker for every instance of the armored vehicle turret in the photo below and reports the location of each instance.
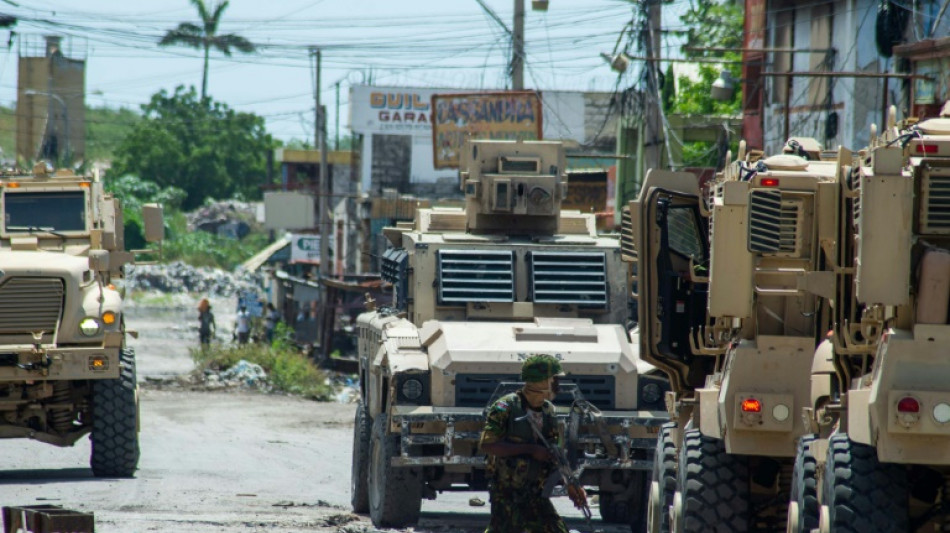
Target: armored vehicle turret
(65, 369)
(476, 291)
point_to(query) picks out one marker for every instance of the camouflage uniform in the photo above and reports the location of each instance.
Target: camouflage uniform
(516, 483)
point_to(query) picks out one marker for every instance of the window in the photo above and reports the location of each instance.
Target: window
(684, 233)
(44, 211)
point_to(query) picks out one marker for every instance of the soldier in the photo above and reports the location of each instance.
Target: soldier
(519, 464)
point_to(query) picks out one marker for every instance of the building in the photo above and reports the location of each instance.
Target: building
(824, 70)
(395, 129)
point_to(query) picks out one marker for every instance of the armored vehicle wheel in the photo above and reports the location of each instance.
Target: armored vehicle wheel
(714, 486)
(861, 493)
(804, 514)
(395, 494)
(663, 483)
(627, 508)
(115, 413)
(359, 484)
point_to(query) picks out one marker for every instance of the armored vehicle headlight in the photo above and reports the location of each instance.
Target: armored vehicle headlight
(108, 318)
(942, 413)
(651, 393)
(89, 326)
(412, 389)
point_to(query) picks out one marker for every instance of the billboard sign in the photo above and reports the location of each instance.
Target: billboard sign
(305, 248)
(499, 115)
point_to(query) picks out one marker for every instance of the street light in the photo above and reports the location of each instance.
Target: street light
(34, 92)
(724, 87)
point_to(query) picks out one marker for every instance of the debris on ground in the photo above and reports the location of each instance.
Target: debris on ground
(476, 502)
(178, 277)
(340, 519)
(230, 218)
(250, 374)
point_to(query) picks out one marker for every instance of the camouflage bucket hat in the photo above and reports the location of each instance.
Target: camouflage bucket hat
(540, 367)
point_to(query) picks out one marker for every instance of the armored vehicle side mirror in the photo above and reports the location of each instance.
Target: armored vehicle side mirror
(154, 219)
(99, 260)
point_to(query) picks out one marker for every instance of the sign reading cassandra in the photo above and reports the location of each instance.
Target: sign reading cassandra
(502, 115)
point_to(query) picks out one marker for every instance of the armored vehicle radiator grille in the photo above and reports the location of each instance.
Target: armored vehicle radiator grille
(628, 250)
(935, 216)
(30, 304)
(773, 223)
(476, 276)
(569, 278)
(475, 390)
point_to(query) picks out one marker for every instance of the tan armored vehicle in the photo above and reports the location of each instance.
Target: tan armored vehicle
(65, 370)
(476, 291)
(732, 285)
(879, 459)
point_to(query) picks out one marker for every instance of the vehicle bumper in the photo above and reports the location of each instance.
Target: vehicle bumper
(20, 363)
(632, 432)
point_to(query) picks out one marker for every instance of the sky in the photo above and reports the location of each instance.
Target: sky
(415, 43)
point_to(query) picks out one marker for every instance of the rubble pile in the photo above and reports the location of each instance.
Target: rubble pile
(228, 218)
(179, 277)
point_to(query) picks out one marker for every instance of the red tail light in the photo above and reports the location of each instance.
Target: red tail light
(927, 148)
(769, 182)
(751, 405)
(908, 405)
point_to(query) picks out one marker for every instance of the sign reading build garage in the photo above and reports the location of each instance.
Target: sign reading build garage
(514, 115)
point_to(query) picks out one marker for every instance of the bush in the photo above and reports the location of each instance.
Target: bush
(288, 370)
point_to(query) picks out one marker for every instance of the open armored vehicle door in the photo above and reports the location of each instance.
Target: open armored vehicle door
(671, 253)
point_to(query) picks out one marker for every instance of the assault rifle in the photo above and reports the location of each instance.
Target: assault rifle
(563, 471)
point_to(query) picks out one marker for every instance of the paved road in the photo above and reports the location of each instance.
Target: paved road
(219, 461)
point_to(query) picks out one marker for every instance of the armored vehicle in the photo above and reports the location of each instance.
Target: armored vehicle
(65, 369)
(879, 456)
(476, 291)
(732, 286)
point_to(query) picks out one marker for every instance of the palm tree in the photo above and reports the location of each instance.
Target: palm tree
(206, 36)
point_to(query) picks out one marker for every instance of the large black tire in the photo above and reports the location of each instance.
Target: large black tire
(805, 488)
(664, 475)
(359, 474)
(629, 509)
(714, 487)
(395, 493)
(861, 493)
(115, 422)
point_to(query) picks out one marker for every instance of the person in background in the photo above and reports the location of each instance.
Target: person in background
(206, 326)
(242, 325)
(271, 317)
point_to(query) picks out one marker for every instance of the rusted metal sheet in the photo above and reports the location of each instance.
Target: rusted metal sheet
(47, 519)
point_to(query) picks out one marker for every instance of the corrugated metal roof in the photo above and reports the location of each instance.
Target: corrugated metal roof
(264, 255)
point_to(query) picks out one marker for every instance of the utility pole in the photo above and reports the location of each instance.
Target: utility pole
(336, 139)
(517, 48)
(652, 139)
(327, 311)
(323, 194)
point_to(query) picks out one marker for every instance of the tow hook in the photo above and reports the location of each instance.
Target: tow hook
(42, 366)
(45, 362)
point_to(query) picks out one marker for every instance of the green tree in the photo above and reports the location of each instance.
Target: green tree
(712, 24)
(206, 37)
(199, 146)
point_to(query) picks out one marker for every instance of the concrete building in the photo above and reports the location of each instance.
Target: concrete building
(395, 126)
(839, 78)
